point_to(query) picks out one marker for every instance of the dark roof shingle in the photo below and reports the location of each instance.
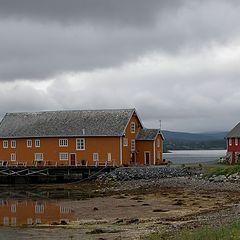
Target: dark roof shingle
(235, 132)
(65, 123)
(147, 134)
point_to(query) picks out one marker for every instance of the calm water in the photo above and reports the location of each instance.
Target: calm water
(194, 156)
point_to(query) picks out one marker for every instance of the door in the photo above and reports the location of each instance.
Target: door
(72, 159)
(147, 158)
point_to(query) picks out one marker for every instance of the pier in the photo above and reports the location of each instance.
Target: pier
(49, 174)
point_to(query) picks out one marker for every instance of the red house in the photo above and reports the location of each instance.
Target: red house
(233, 144)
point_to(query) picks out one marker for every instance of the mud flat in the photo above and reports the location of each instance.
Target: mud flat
(134, 209)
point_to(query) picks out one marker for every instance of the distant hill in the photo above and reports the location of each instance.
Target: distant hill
(193, 141)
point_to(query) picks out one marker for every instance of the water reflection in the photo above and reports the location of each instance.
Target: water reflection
(29, 212)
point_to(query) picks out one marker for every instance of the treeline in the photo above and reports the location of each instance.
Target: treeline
(193, 145)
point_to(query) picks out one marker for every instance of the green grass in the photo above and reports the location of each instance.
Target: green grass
(226, 232)
(222, 170)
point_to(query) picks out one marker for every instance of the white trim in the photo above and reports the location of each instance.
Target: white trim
(145, 157)
(63, 142)
(37, 141)
(13, 143)
(61, 154)
(95, 157)
(109, 157)
(29, 141)
(125, 142)
(13, 157)
(82, 141)
(38, 154)
(5, 143)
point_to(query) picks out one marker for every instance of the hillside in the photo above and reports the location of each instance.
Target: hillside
(193, 141)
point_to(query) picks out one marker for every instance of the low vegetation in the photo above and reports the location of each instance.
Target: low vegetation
(226, 232)
(222, 170)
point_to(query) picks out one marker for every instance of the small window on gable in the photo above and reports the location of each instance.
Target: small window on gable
(133, 127)
(230, 142)
(158, 143)
(236, 141)
(95, 157)
(133, 145)
(37, 143)
(5, 144)
(13, 143)
(63, 142)
(29, 143)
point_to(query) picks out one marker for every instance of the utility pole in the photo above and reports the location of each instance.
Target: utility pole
(160, 124)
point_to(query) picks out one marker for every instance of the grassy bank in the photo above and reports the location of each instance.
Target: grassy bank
(227, 232)
(221, 170)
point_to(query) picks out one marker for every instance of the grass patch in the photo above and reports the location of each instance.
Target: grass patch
(226, 232)
(221, 170)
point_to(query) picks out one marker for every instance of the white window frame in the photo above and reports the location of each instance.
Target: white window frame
(230, 142)
(29, 143)
(80, 144)
(5, 221)
(38, 159)
(13, 208)
(5, 143)
(39, 208)
(125, 142)
(236, 141)
(13, 221)
(109, 157)
(63, 142)
(133, 145)
(13, 143)
(37, 143)
(95, 157)
(29, 221)
(133, 127)
(61, 158)
(13, 157)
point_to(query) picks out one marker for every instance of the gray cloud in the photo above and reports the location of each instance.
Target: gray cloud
(173, 60)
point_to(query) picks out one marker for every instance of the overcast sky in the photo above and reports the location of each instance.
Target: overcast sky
(178, 60)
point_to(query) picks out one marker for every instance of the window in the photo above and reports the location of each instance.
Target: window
(236, 141)
(158, 155)
(230, 142)
(37, 143)
(63, 142)
(5, 221)
(13, 208)
(133, 127)
(109, 157)
(125, 142)
(38, 221)
(39, 208)
(65, 209)
(13, 156)
(29, 143)
(38, 156)
(13, 221)
(95, 157)
(80, 144)
(158, 143)
(13, 143)
(63, 156)
(5, 144)
(133, 145)
(29, 221)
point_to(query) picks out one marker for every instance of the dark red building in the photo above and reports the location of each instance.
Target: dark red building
(233, 144)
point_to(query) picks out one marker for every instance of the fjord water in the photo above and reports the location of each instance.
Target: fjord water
(194, 156)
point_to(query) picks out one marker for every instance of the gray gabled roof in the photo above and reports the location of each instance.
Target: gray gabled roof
(147, 134)
(65, 123)
(235, 132)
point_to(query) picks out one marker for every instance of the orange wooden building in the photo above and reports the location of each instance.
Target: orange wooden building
(84, 137)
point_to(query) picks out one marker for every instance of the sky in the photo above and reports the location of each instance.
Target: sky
(178, 60)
